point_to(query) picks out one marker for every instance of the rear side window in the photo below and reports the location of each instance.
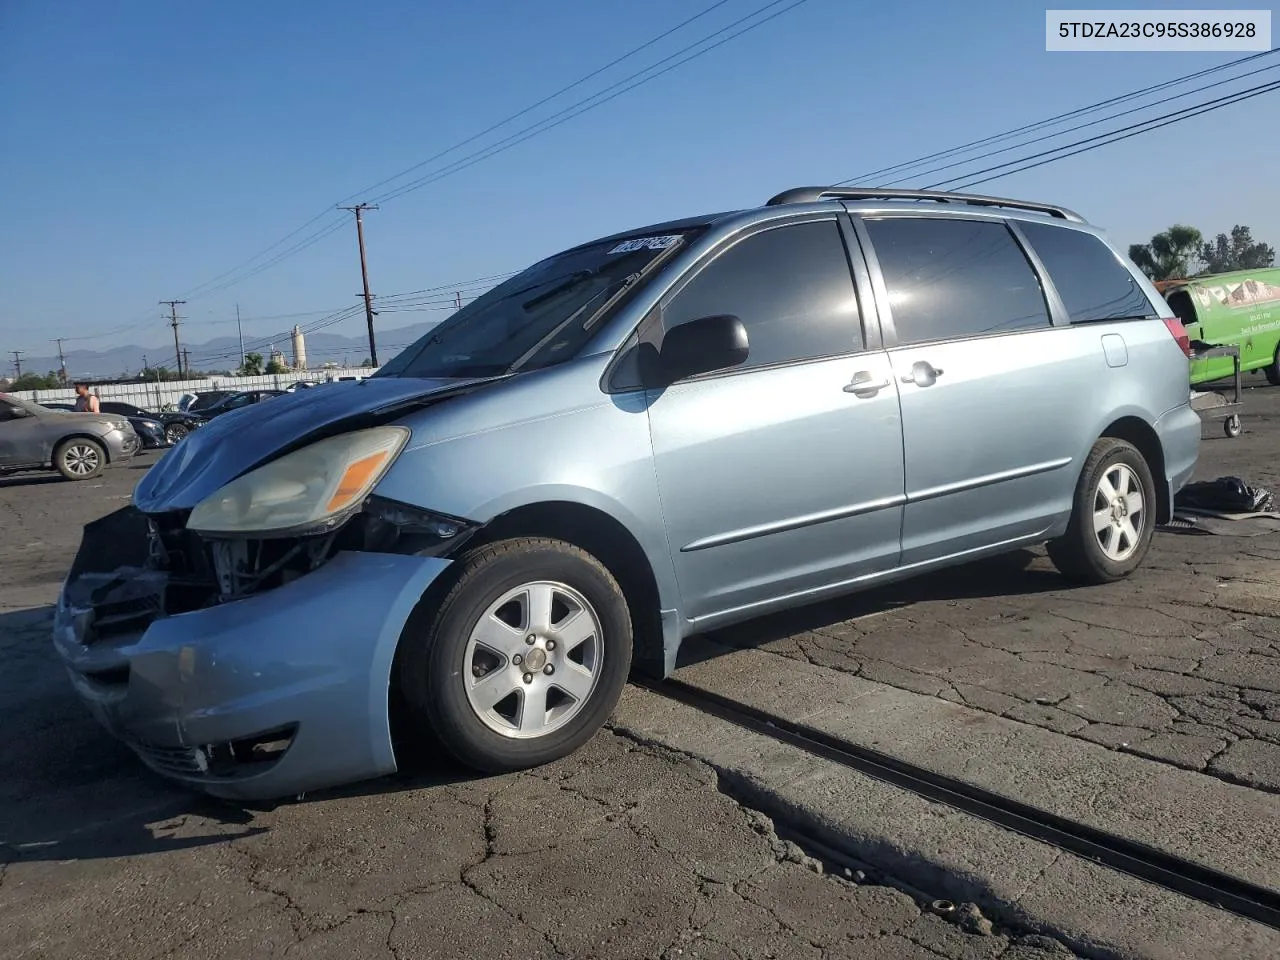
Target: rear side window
(951, 279)
(790, 286)
(1093, 283)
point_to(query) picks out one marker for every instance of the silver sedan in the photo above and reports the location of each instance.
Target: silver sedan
(78, 445)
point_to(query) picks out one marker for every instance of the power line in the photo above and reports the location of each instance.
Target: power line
(1039, 124)
(238, 274)
(577, 109)
(455, 284)
(1100, 140)
(257, 344)
(547, 99)
(232, 277)
(303, 244)
(1082, 126)
(200, 290)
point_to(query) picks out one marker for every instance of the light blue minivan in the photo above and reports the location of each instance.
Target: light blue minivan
(650, 435)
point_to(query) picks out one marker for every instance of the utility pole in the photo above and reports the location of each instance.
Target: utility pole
(17, 361)
(186, 360)
(457, 300)
(62, 362)
(173, 321)
(241, 333)
(358, 210)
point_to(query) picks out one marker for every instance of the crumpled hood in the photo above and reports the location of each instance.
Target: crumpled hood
(234, 443)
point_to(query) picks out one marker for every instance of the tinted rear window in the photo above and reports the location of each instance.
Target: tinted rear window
(1093, 283)
(952, 279)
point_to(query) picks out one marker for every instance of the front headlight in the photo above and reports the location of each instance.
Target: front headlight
(308, 491)
(121, 425)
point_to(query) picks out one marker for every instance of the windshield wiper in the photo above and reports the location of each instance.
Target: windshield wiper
(608, 293)
(568, 283)
(565, 283)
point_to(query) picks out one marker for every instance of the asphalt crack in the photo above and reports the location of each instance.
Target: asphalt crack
(1058, 855)
(490, 851)
(298, 922)
(787, 851)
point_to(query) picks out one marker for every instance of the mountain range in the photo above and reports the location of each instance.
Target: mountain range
(223, 353)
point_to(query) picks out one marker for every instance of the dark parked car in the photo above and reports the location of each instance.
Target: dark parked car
(204, 399)
(173, 425)
(237, 400)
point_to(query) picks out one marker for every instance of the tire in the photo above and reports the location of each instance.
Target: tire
(1079, 554)
(458, 659)
(1232, 426)
(175, 432)
(1273, 370)
(79, 458)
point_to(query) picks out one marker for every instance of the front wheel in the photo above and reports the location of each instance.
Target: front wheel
(524, 658)
(1112, 518)
(79, 458)
(174, 432)
(1231, 426)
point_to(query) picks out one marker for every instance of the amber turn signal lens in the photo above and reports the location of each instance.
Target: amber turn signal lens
(355, 479)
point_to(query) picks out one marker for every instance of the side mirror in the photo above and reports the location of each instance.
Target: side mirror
(702, 346)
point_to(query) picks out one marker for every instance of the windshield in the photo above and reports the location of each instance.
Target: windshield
(539, 317)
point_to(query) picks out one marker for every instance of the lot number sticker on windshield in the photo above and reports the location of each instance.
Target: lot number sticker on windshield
(646, 243)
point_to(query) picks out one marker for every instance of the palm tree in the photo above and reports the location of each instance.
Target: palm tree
(1169, 254)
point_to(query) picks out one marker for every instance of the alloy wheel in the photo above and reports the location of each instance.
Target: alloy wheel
(1119, 512)
(533, 659)
(81, 459)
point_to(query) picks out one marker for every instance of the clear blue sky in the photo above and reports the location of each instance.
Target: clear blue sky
(150, 146)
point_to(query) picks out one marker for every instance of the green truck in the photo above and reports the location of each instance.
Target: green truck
(1241, 308)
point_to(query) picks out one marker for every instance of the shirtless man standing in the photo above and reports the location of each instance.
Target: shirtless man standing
(85, 401)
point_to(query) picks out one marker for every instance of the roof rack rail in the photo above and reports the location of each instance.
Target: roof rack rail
(811, 194)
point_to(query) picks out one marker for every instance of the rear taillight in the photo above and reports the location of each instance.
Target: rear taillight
(1179, 333)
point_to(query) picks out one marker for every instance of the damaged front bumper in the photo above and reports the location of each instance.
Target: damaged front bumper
(265, 697)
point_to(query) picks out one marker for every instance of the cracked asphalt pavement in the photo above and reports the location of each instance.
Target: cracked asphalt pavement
(625, 849)
(1180, 663)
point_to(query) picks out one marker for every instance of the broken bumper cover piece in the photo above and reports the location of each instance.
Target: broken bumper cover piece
(266, 697)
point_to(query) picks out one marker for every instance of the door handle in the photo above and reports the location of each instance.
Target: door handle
(923, 374)
(865, 385)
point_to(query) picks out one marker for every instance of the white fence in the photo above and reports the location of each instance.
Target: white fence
(157, 396)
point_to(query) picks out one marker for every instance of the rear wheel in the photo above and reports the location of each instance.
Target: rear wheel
(1112, 518)
(79, 458)
(1273, 370)
(524, 658)
(175, 432)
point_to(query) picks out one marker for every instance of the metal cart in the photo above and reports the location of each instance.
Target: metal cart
(1211, 404)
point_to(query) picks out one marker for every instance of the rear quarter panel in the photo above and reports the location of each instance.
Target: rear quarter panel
(1148, 379)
